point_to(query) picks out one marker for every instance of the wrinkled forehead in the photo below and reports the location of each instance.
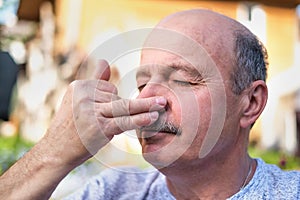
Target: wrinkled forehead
(165, 47)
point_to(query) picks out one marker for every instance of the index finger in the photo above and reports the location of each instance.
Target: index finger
(126, 107)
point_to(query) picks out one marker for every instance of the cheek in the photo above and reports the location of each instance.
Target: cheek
(193, 113)
(193, 110)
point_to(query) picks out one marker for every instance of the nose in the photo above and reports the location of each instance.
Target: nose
(152, 89)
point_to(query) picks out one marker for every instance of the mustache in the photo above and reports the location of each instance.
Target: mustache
(162, 126)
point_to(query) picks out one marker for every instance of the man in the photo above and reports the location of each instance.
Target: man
(202, 87)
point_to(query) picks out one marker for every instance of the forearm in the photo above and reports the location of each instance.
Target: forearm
(35, 176)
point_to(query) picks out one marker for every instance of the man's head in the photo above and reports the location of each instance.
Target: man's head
(212, 72)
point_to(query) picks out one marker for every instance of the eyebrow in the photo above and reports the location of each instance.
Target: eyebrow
(141, 72)
(190, 71)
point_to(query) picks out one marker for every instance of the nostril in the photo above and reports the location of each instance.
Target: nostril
(167, 107)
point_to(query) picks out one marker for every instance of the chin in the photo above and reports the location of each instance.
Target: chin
(161, 156)
(157, 160)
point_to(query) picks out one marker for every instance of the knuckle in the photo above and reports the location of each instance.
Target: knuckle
(114, 97)
(102, 110)
(120, 107)
(124, 123)
(106, 86)
(76, 83)
(105, 124)
(130, 105)
(114, 89)
(142, 120)
(113, 126)
(73, 83)
(126, 104)
(149, 102)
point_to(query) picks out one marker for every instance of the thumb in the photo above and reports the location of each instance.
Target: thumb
(102, 70)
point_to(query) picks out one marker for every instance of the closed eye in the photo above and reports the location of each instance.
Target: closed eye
(184, 83)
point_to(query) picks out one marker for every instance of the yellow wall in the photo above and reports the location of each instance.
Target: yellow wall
(124, 15)
(97, 17)
(281, 38)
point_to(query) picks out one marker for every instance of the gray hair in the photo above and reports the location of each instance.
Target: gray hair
(251, 61)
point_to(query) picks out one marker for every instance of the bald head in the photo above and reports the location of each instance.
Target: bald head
(197, 19)
(228, 43)
(215, 32)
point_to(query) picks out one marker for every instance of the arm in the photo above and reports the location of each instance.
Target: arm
(90, 115)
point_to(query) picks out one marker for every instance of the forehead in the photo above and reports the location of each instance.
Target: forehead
(165, 63)
(165, 47)
(159, 63)
(189, 62)
(164, 44)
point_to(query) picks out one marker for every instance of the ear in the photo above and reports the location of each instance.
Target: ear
(255, 99)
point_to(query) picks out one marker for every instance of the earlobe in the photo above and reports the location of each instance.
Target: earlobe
(257, 95)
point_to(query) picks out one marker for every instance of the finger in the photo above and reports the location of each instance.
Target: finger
(94, 89)
(104, 97)
(106, 87)
(125, 107)
(125, 123)
(102, 71)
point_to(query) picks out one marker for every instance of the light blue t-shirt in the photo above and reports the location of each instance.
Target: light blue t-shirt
(268, 182)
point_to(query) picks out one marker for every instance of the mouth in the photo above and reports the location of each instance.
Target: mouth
(158, 127)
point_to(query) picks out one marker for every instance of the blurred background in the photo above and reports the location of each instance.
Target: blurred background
(43, 45)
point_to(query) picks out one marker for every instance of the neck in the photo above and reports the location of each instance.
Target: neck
(211, 178)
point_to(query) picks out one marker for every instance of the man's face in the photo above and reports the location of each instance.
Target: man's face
(195, 89)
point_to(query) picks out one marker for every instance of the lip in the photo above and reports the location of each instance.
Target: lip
(154, 141)
(153, 130)
(148, 134)
(151, 134)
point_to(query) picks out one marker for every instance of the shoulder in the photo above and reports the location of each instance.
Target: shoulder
(279, 182)
(275, 174)
(271, 182)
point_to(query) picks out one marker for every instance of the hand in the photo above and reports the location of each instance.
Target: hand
(92, 113)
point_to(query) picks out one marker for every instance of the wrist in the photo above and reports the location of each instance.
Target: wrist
(60, 152)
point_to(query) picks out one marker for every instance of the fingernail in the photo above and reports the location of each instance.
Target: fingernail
(161, 101)
(154, 115)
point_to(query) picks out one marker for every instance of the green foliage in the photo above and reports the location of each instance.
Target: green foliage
(12, 149)
(281, 159)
